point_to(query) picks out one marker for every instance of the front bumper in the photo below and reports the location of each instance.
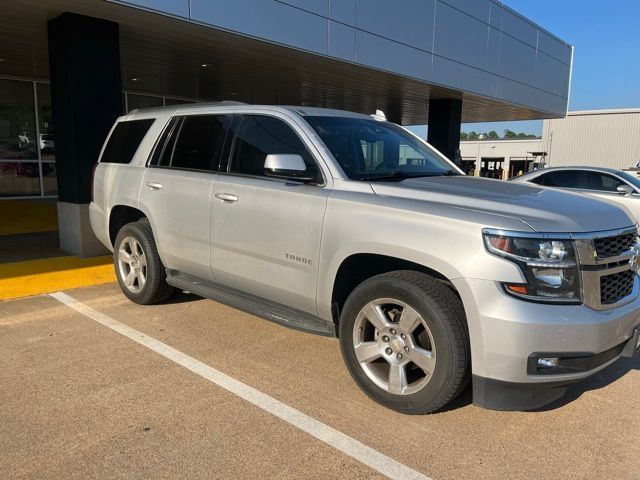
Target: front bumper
(505, 332)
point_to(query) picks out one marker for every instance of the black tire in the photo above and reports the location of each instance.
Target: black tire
(155, 289)
(442, 311)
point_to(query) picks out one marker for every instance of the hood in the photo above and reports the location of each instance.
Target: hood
(544, 210)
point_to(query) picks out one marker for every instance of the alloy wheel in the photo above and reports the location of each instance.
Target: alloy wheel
(394, 346)
(132, 264)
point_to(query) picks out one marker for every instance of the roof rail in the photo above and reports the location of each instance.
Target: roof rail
(221, 103)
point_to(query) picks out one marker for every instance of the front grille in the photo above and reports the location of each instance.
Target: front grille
(613, 246)
(614, 288)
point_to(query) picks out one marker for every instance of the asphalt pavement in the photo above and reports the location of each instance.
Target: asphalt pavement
(196, 389)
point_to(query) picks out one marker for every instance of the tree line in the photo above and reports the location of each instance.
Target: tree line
(493, 135)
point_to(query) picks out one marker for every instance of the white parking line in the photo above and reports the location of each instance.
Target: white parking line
(338, 440)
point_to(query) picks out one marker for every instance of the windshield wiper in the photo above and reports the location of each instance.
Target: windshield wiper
(400, 175)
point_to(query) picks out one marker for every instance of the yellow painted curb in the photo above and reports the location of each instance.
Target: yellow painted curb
(25, 216)
(34, 277)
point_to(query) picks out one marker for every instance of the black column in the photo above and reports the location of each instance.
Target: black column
(445, 119)
(86, 97)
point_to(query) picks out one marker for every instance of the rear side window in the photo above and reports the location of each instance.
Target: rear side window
(125, 140)
(561, 178)
(193, 143)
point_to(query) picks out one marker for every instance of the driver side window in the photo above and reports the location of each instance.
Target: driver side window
(259, 136)
(602, 182)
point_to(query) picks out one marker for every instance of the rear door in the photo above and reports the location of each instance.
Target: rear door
(266, 231)
(176, 189)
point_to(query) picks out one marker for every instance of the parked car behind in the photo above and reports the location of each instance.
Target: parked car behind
(608, 183)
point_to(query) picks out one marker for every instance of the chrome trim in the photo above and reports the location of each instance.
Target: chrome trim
(561, 236)
(515, 233)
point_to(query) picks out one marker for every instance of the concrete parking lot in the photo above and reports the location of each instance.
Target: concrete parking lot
(81, 399)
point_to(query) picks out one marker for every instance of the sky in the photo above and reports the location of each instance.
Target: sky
(606, 61)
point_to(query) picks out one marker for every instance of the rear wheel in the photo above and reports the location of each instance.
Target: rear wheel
(404, 340)
(139, 270)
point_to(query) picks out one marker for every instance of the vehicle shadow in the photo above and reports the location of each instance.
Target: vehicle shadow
(181, 297)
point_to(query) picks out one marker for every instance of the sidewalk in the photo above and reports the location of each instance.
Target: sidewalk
(31, 262)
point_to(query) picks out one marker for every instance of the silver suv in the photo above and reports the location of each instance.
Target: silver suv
(346, 225)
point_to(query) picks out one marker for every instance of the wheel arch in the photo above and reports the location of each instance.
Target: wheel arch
(119, 216)
(358, 267)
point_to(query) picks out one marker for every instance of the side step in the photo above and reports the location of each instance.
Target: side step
(275, 312)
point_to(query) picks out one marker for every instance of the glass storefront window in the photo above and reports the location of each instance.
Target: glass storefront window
(19, 179)
(45, 123)
(17, 121)
(142, 101)
(49, 179)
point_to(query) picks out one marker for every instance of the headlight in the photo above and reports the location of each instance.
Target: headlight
(549, 266)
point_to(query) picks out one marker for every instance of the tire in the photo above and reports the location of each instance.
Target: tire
(135, 243)
(391, 320)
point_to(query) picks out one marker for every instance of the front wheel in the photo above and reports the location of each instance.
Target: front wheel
(404, 340)
(139, 270)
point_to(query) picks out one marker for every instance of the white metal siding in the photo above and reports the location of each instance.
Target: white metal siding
(599, 139)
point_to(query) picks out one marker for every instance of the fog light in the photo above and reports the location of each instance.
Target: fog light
(548, 362)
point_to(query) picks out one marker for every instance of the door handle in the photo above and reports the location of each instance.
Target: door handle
(227, 197)
(154, 185)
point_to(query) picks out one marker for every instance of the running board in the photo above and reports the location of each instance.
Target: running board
(275, 312)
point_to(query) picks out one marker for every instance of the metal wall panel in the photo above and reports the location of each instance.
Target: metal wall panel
(517, 60)
(319, 7)
(519, 28)
(268, 19)
(467, 43)
(551, 74)
(463, 77)
(480, 9)
(478, 46)
(495, 16)
(385, 54)
(404, 21)
(342, 41)
(554, 48)
(343, 11)
(602, 139)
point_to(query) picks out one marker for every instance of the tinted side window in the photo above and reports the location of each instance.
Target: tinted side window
(125, 140)
(164, 147)
(259, 136)
(562, 178)
(601, 181)
(199, 139)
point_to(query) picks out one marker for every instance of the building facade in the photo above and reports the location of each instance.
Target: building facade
(598, 138)
(501, 159)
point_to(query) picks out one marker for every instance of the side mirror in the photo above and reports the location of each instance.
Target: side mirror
(290, 166)
(625, 190)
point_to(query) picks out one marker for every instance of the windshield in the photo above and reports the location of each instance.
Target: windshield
(370, 150)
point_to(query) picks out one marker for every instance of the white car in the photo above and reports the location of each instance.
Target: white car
(608, 183)
(47, 142)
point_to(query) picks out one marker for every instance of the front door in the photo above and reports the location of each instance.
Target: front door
(266, 231)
